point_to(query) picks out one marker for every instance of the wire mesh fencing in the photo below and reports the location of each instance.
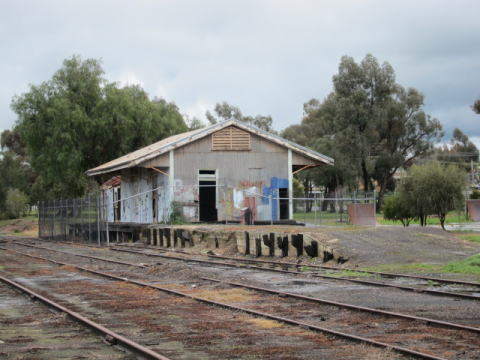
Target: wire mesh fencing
(336, 209)
(79, 219)
(95, 218)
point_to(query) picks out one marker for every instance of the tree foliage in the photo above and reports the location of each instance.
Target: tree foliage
(15, 169)
(433, 189)
(396, 208)
(16, 203)
(476, 106)
(369, 124)
(460, 150)
(224, 111)
(77, 120)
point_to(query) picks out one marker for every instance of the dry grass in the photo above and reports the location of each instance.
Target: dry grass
(265, 323)
(226, 295)
(68, 268)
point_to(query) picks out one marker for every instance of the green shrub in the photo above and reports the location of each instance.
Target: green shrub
(176, 215)
(16, 203)
(475, 195)
(433, 189)
(395, 208)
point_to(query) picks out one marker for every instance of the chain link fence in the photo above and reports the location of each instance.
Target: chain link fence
(93, 218)
(73, 219)
(335, 209)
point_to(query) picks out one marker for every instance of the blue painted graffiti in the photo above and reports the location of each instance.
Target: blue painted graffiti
(272, 190)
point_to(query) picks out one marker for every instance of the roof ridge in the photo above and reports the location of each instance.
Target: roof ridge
(160, 147)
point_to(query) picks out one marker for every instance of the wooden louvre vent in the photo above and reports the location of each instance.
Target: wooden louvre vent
(231, 138)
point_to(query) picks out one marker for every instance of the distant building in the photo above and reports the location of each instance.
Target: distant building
(216, 173)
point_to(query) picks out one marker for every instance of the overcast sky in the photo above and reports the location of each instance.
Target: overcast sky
(266, 57)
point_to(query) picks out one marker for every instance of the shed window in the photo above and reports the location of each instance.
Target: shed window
(231, 138)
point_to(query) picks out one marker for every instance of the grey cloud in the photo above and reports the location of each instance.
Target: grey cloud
(267, 57)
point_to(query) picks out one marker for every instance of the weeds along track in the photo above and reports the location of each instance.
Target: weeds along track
(184, 326)
(416, 284)
(110, 335)
(407, 334)
(177, 325)
(29, 329)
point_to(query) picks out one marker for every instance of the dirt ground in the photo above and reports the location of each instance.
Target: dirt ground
(27, 226)
(379, 245)
(398, 245)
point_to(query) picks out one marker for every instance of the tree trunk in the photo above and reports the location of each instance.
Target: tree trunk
(366, 178)
(442, 220)
(381, 194)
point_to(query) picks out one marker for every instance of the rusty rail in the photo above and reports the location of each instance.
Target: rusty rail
(363, 282)
(445, 324)
(385, 274)
(302, 297)
(304, 325)
(81, 255)
(298, 265)
(125, 342)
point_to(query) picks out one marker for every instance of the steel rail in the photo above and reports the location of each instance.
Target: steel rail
(358, 281)
(385, 274)
(307, 298)
(301, 324)
(363, 282)
(445, 324)
(297, 265)
(125, 342)
(81, 255)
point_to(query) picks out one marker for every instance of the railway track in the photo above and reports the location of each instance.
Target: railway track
(310, 267)
(111, 336)
(211, 330)
(415, 325)
(471, 293)
(32, 330)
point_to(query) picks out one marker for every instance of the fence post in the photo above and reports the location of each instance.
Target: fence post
(98, 219)
(271, 209)
(106, 223)
(53, 223)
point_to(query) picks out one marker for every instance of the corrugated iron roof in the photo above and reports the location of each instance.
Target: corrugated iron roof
(139, 156)
(112, 182)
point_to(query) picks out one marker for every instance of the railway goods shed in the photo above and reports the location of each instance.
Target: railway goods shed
(225, 171)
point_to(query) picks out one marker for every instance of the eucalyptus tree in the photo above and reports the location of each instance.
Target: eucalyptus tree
(224, 111)
(78, 120)
(370, 123)
(476, 106)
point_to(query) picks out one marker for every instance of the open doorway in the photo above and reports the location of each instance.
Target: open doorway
(283, 195)
(154, 199)
(207, 181)
(116, 204)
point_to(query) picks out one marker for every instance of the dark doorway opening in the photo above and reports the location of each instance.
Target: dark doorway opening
(154, 199)
(283, 195)
(207, 199)
(117, 205)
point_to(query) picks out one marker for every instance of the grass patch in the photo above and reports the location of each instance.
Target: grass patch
(306, 268)
(26, 226)
(226, 295)
(469, 236)
(452, 217)
(470, 265)
(265, 323)
(348, 273)
(399, 268)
